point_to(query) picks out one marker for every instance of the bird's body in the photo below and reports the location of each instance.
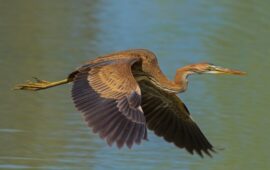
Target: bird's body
(143, 63)
(123, 93)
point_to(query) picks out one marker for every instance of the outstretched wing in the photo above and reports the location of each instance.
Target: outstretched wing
(110, 99)
(168, 117)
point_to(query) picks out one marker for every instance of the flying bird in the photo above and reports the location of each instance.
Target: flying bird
(124, 93)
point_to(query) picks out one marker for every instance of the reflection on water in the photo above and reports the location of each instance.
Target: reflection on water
(51, 38)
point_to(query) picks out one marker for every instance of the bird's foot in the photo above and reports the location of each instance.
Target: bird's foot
(34, 86)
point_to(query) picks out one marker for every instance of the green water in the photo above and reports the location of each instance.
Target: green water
(49, 39)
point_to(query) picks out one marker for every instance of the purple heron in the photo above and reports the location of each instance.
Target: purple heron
(124, 93)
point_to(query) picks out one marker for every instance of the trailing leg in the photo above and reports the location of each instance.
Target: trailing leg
(40, 84)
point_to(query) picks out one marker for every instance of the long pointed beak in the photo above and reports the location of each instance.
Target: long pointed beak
(220, 70)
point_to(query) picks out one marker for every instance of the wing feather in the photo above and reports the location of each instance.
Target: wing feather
(110, 99)
(168, 117)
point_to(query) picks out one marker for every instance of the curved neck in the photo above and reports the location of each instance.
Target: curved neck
(156, 76)
(179, 84)
(180, 78)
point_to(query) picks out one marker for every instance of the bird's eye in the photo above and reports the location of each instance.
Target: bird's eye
(210, 68)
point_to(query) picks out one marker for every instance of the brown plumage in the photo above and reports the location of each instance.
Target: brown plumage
(123, 93)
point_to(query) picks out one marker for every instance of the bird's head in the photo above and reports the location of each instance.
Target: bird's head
(201, 68)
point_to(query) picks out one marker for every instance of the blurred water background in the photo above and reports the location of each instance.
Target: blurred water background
(49, 39)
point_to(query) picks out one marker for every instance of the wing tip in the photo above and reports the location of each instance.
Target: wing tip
(202, 152)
